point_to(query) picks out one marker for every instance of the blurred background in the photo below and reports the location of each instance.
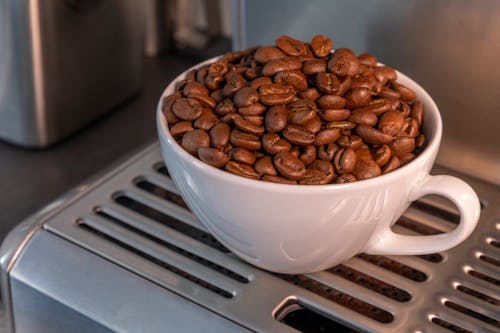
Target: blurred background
(80, 79)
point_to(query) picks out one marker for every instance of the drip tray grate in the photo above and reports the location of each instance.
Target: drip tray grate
(135, 218)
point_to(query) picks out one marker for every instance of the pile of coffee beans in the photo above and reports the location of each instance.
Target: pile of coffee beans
(297, 113)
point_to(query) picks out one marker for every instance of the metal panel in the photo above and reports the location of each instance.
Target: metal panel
(450, 47)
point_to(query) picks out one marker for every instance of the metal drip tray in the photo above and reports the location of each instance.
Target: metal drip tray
(134, 219)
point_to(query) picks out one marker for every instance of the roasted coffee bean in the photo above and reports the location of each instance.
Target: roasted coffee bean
(389, 93)
(327, 136)
(167, 109)
(181, 128)
(265, 166)
(301, 111)
(344, 62)
(321, 46)
(314, 177)
(373, 136)
(357, 97)
(253, 72)
(345, 85)
(255, 120)
(350, 141)
(242, 155)
(291, 46)
(344, 160)
(368, 59)
(298, 135)
(276, 119)
(278, 65)
(382, 155)
(201, 75)
(219, 135)
(217, 69)
(278, 179)
(213, 156)
(332, 102)
(361, 117)
(326, 152)
(411, 127)
(402, 145)
(179, 86)
(205, 122)
(206, 101)
(276, 94)
(377, 106)
(195, 139)
(274, 144)
(295, 151)
(420, 141)
(406, 93)
(334, 115)
(315, 66)
(213, 82)
(308, 55)
(289, 166)
(225, 107)
(310, 94)
(407, 158)
(392, 165)
(241, 169)
(248, 127)
(365, 166)
(366, 81)
(246, 96)
(404, 108)
(391, 122)
(267, 53)
(244, 140)
(340, 125)
(324, 166)
(234, 83)
(230, 118)
(254, 109)
(187, 108)
(307, 154)
(294, 78)
(314, 125)
(384, 74)
(260, 81)
(194, 87)
(417, 112)
(395, 103)
(217, 95)
(327, 83)
(346, 178)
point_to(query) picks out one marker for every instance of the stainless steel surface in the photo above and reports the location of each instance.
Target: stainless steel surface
(129, 224)
(450, 47)
(64, 63)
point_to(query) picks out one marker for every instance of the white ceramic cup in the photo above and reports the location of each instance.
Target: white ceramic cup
(307, 228)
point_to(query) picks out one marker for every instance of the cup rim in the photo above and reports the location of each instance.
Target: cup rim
(431, 147)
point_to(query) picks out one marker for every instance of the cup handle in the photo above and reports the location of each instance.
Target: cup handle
(460, 193)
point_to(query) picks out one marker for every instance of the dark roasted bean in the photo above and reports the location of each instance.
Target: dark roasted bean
(241, 169)
(276, 94)
(217, 95)
(194, 87)
(225, 107)
(294, 78)
(267, 53)
(265, 166)
(327, 83)
(402, 145)
(219, 135)
(246, 96)
(391, 122)
(181, 128)
(344, 63)
(367, 59)
(206, 101)
(234, 83)
(291, 46)
(411, 127)
(213, 82)
(230, 118)
(321, 46)
(167, 109)
(417, 112)
(278, 179)
(324, 166)
(298, 135)
(361, 117)
(217, 69)
(248, 127)
(345, 85)
(314, 177)
(289, 166)
(393, 164)
(295, 151)
(256, 120)
(205, 122)
(244, 140)
(243, 155)
(187, 108)
(307, 154)
(389, 93)
(254, 109)
(276, 119)
(373, 136)
(350, 141)
(358, 97)
(301, 111)
(253, 72)
(406, 93)
(213, 156)
(260, 81)
(365, 167)
(279, 65)
(195, 139)
(273, 144)
(404, 108)
(344, 160)
(377, 106)
(327, 152)
(346, 178)
(382, 155)
(384, 74)
(340, 125)
(334, 115)
(314, 66)
(332, 102)
(201, 74)
(310, 94)
(327, 136)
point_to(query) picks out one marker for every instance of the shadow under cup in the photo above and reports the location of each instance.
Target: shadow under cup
(307, 228)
